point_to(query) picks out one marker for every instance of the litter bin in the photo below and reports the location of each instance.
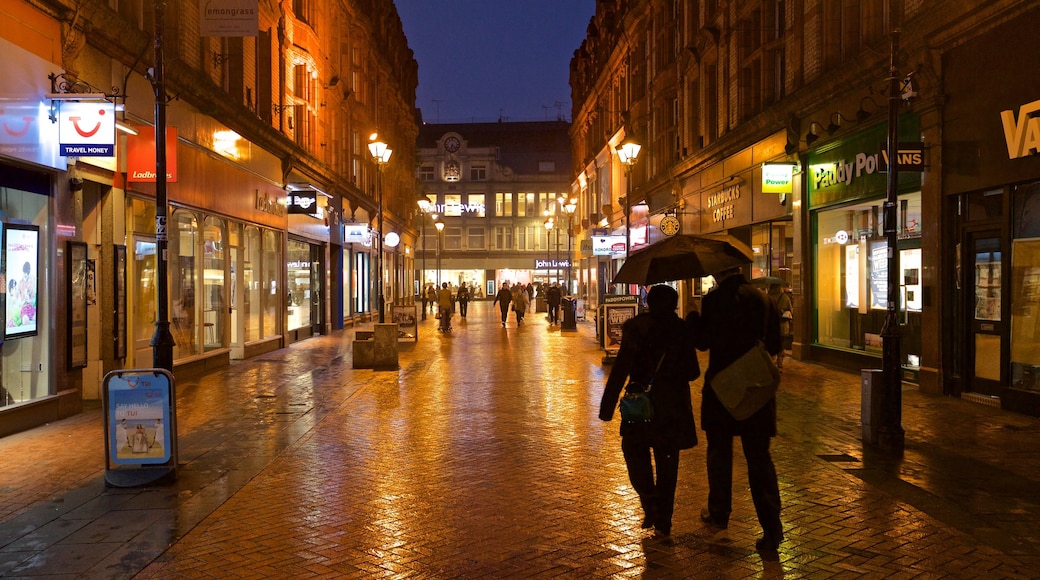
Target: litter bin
(873, 384)
(569, 321)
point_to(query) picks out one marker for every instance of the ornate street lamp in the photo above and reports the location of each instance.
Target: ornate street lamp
(548, 258)
(440, 242)
(424, 208)
(570, 208)
(628, 152)
(381, 154)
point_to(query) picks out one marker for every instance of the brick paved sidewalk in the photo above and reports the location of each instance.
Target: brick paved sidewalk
(483, 457)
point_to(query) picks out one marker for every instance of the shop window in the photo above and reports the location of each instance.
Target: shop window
(214, 298)
(270, 287)
(298, 295)
(28, 291)
(851, 285)
(249, 310)
(185, 286)
(1025, 290)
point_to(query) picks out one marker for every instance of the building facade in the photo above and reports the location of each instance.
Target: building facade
(501, 191)
(272, 193)
(720, 94)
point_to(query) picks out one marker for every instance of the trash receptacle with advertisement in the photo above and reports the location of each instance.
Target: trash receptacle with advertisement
(617, 309)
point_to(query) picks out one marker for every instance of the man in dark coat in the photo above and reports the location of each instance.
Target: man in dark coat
(552, 300)
(736, 315)
(503, 298)
(656, 345)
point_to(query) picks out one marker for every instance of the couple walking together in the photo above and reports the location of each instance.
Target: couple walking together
(659, 346)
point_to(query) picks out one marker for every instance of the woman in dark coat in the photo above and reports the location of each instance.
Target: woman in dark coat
(645, 339)
(736, 315)
(503, 298)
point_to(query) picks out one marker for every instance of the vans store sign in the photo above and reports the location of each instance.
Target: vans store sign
(1022, 134)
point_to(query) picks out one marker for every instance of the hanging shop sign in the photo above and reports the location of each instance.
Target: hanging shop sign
(778, 178)
(910, 157)
(86, 129)
(357, 234)
(228, 18)
(303, 201)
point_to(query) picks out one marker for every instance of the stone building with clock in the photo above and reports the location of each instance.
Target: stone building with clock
(494, 188)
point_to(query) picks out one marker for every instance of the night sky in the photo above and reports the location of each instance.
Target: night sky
(482, 60)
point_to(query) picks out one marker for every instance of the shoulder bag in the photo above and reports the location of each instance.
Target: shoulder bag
(636, 405)
(748, 383)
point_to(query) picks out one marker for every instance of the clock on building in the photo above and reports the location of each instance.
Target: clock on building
(452, 144)
(670, 225)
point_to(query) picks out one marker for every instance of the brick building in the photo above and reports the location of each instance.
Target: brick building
(272, 192)
(719, 92)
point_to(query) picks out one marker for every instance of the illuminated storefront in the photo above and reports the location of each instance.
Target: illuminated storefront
(846, 191)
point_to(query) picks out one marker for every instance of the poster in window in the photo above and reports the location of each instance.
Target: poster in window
(76, 263)
(21, 274)
(879, 275)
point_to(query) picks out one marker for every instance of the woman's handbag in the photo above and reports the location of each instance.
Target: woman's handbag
(636, 405)
(747, 384)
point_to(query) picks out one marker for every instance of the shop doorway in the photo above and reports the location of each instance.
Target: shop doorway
(143, 300)
(984, 314)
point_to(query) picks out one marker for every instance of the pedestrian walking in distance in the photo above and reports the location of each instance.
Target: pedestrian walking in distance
(463, 298)
(552, 300)
(503, 299)
(656, 346)
(735, 315)
(521, 300)
(445, 302)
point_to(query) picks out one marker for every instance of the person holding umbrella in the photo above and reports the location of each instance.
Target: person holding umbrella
(658, 349)
(736, 315)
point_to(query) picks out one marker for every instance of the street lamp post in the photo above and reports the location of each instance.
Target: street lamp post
(570, 208)
(627, 152)
(548, 257)
(440, 242)
(424, 208)
(162, 341)
(381, 154)
(890, 433)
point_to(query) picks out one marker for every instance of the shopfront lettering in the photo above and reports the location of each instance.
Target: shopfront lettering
(722, 202)
(1022, 134)
(843, 172)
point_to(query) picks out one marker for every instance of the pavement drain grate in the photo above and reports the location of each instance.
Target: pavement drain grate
(839, 458)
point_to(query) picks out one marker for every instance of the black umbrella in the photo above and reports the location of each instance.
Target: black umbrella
(767, 281)
(682, 257)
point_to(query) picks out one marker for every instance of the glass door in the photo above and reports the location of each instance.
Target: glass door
(985, 315)
(143, 300)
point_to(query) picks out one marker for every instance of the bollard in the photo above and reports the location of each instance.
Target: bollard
(873, 384)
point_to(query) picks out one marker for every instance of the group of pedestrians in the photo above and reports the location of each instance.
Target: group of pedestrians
(516, 298)
(659, 348)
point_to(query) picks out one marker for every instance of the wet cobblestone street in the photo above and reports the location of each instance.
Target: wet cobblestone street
(482, 457)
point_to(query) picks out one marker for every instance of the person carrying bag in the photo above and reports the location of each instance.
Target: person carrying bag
(656, 347)
(738, 320)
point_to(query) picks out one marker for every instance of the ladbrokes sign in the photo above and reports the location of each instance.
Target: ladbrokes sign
(1022, 134)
